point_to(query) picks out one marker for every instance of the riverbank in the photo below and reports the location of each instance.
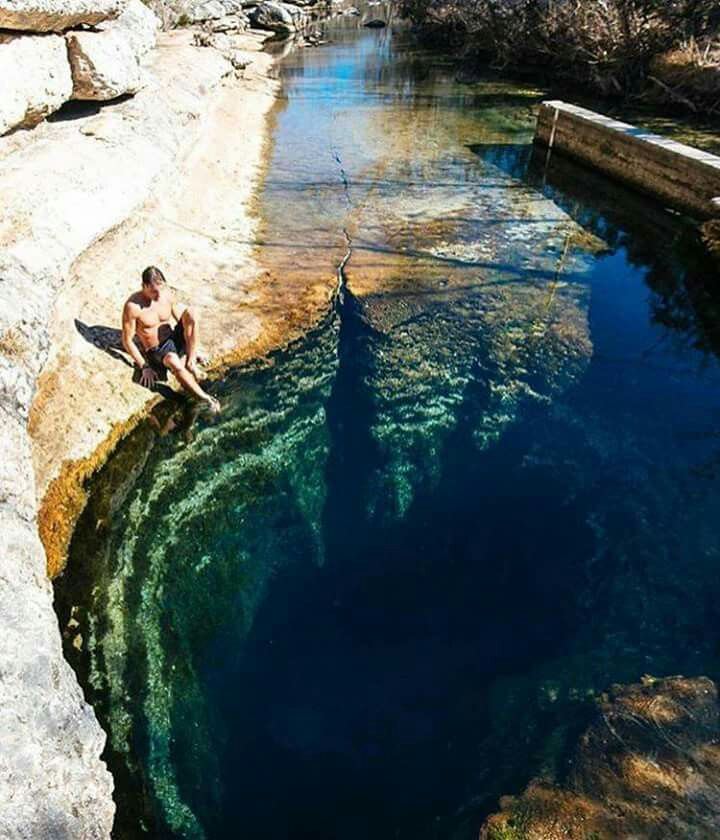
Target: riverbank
(636, 51)
(201, 237)
(113, 188)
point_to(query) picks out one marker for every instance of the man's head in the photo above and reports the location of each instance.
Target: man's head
(152, 282)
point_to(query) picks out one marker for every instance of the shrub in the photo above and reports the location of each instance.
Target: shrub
(609, 43)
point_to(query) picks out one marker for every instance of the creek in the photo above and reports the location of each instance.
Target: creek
(384, 587)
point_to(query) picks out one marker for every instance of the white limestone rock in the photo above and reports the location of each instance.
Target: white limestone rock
(182, 12)
(55, 15)
(52, 782)
(35, 77)
(60, 193)
(140, 25)
(283, 18)
(106, 64)
(237, 22)
(196, 12)
(209, 10)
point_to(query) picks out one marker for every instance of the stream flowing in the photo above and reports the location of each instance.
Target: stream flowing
(383, 588)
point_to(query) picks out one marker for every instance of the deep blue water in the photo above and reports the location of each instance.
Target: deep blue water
(383, 590)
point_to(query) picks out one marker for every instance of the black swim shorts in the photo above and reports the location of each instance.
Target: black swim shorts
(174, 343)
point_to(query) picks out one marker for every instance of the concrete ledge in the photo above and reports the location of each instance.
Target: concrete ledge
(683, 177)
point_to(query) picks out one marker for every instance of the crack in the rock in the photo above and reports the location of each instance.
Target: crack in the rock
(341, 284)
(344, 177)
(342, 280)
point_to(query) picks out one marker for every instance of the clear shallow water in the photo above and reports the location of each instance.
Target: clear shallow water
(382, 589)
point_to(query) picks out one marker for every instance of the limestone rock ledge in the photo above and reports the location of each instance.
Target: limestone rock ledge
(55, 15)
(36, 79)
(65, 185)
(647, 767)
(106, 64)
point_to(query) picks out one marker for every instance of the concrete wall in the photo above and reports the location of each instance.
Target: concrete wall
(685, 178)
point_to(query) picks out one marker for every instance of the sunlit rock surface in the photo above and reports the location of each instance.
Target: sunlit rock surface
(36, 79)
(106, 64)
(55, 15)
(648, 766)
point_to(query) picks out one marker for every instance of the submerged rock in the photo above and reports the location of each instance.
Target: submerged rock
(648, 766)
(55, 15)
(376, 23)
(711, 237)
(36, 79)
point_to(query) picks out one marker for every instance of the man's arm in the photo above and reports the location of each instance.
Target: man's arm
(128, 335)
(148, 376)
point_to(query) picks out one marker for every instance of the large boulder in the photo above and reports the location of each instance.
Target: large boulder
(283, 18)
(139, 24)
(55, 15)
(36, 79)
(181, 12)
(106, 64)
(208, 10)
(197, 11)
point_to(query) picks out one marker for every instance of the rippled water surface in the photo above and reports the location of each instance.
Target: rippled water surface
(383, 588)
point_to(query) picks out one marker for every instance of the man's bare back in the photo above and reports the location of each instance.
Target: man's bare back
(147, 316)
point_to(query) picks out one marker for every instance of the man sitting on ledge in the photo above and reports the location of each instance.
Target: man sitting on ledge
(147, 314)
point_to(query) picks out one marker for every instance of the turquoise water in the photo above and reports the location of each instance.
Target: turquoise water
(383, 589)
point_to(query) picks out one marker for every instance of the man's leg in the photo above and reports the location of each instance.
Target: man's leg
(188, 381)
(190, 334)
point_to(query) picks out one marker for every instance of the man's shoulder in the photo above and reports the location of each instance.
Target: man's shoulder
(132, 304)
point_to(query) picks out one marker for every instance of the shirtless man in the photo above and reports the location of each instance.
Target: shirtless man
(147, 315)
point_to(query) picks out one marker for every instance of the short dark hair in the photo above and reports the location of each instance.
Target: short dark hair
(152, 275)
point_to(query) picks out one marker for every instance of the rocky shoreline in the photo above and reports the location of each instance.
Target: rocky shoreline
(113, 187)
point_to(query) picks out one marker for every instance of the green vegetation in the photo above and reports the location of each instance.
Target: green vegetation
(514, 828)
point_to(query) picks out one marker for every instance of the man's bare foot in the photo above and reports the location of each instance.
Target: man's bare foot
(213, 405)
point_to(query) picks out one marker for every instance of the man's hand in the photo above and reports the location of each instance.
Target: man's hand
(148, 377)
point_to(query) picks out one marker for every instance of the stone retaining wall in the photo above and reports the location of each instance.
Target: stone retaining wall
(685, 178)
